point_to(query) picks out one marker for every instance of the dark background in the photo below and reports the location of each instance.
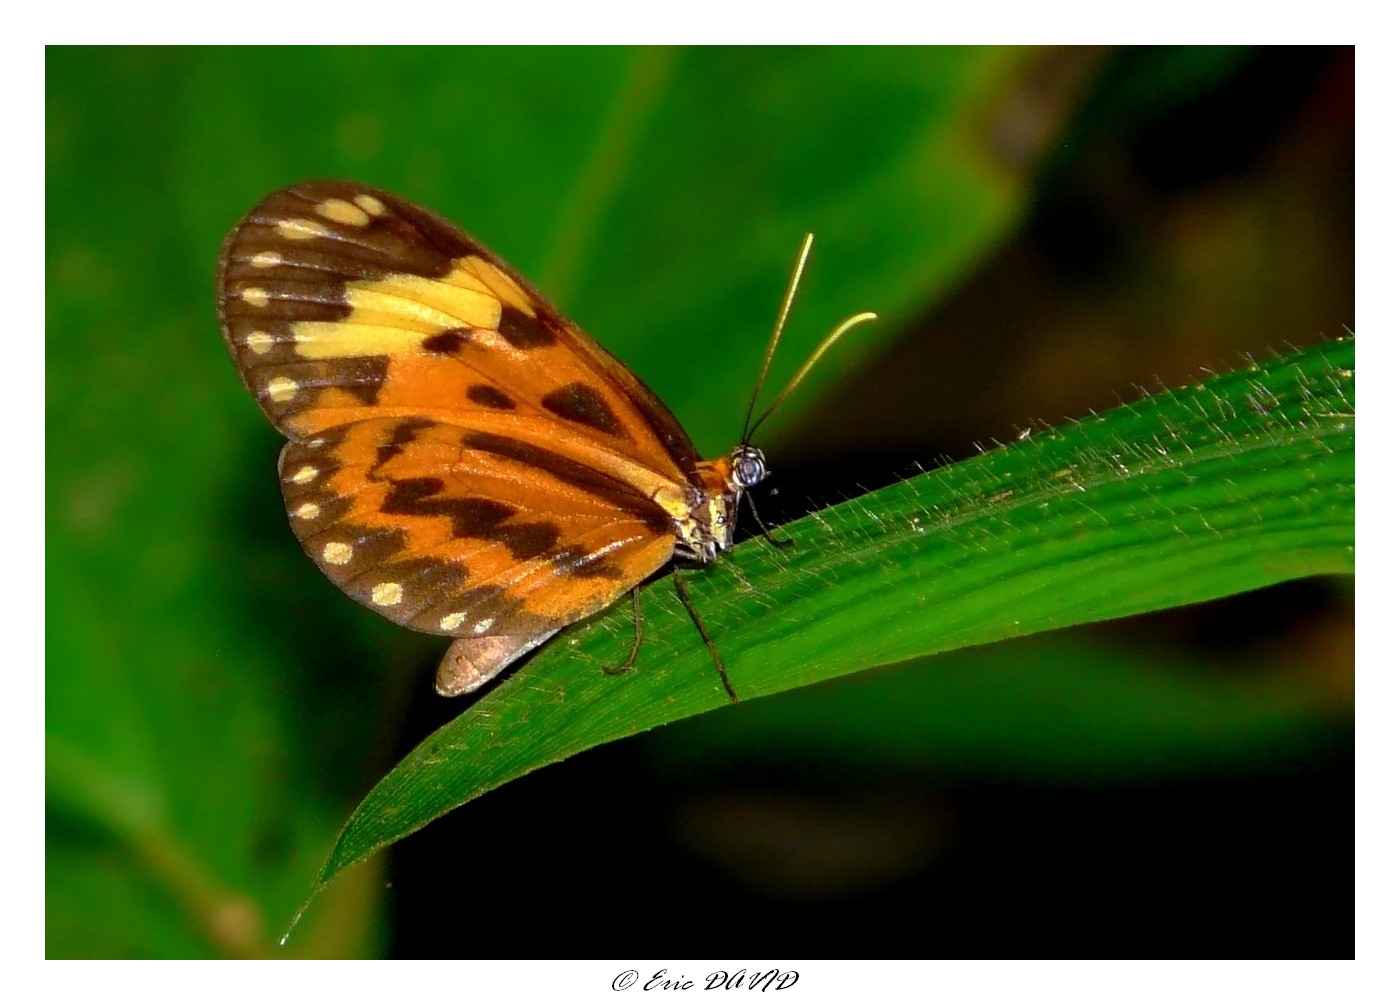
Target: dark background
(1046, 232)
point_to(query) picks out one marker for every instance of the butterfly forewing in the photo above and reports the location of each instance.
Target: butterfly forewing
(462, 459)
(340, 302)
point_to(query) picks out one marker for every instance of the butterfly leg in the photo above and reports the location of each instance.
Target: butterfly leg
(700, 627)
(767, 535)
(631, 659)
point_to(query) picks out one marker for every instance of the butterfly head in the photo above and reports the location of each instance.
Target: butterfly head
(708, 527)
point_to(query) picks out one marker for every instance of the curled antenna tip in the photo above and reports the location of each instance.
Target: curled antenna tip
(836, 335)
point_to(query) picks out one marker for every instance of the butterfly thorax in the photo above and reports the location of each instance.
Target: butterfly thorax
(706, 527)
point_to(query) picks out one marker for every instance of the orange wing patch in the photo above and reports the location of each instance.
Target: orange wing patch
(461, 458)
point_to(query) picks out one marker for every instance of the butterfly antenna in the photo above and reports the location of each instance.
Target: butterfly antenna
(777, 334)
(821, 350)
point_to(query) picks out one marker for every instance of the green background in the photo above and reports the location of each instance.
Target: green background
(1042, 231)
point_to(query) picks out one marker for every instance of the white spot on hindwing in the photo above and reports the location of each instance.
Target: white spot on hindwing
(387, 594)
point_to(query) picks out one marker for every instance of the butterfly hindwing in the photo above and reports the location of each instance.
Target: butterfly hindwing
(454, 532)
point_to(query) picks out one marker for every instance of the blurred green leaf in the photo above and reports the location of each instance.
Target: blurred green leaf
(1044, 709)
(1239, 482)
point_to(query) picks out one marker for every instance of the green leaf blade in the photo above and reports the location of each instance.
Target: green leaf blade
(1234, 484)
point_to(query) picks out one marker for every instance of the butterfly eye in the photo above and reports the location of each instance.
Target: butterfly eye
(749, 466)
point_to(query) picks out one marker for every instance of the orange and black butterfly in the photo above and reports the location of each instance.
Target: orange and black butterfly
(461, 458)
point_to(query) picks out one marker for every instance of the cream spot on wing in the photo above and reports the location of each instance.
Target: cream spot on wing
(281, 389)
(337, 552)
(343, 212)
(307, 511)
(452, 621)
(301, 230)
(387, 594)
(370, 204)
(482, 626)
(304, 474)
(255, 296)
(266, 260)
(258, 342)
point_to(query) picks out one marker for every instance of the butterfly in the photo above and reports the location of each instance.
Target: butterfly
(461, 458)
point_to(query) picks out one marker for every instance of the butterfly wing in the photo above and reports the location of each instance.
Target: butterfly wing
(460, 532)
(462, 458)
(341, 302)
